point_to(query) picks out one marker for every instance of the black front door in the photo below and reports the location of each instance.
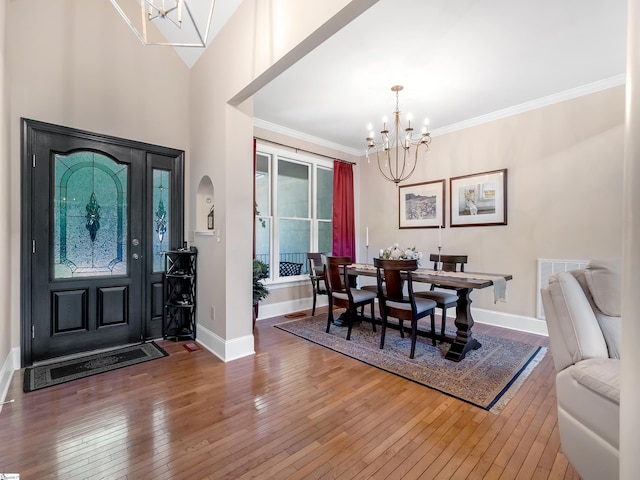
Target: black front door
(99, 212)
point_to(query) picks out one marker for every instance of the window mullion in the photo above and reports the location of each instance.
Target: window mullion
(275, 229)
(294, 173)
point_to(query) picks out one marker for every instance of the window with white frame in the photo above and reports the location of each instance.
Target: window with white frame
(294, 204)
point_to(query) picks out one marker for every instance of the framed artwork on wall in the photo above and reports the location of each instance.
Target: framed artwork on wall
(479, 199)
(421, 205)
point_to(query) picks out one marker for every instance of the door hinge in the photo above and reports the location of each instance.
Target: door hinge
(33, 246)
(33, 160)
(33, 331)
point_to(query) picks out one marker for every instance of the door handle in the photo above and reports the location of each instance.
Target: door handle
(136, 256)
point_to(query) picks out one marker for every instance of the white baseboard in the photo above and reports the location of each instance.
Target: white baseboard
(225, 350)
(511, 321)
(10, 365)
(488, 317)
(275, 309)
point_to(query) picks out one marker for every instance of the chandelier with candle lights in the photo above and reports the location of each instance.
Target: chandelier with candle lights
(398, 149)
(173, 19)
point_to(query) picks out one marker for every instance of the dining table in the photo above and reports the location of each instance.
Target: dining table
(463, 283)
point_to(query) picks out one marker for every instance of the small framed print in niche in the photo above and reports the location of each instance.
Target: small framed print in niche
(421, 205)
(210, 219)
(479, 199)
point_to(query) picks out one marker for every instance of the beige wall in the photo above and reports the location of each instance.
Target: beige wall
(70, 69)
(564, 160)
(267, 37)
(564, 166)
(630, 387)
(5, 199)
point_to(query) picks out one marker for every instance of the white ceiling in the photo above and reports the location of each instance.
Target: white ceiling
(458, 60)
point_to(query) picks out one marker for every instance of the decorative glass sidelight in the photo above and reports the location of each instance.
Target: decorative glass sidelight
(90, 215)
(161, 221)
(161, 182)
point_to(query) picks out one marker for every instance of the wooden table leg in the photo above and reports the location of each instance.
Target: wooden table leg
(464, 341)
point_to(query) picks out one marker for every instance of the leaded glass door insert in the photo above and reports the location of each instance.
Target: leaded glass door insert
(93, 216)
(90, 216)
(161, 217)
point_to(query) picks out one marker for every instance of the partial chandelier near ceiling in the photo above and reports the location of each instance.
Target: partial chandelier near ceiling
(398, 147)
(167, 22)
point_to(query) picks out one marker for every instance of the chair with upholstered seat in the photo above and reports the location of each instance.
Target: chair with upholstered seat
(371, 288)
(583, 310)
(393, 302)
(343, 294)
(444, 299)
(316, 275)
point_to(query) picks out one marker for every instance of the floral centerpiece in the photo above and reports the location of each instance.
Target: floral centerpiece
(394, 252)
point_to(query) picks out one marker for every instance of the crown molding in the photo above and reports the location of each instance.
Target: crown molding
(472, 122)
(533, 104)
(272, 127)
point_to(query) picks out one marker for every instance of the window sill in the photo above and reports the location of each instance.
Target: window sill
(287, 282)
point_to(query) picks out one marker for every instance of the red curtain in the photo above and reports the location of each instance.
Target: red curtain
(344, 236)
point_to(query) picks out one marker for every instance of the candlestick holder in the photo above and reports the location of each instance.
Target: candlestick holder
(439, 259)
(366, 262)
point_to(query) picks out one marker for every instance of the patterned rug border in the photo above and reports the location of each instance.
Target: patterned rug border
(39, 376)
(496, 405)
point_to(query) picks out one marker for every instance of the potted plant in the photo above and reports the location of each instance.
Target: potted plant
(260, 291)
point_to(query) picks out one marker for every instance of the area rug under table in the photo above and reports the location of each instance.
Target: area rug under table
(488, 377)
(42, 376)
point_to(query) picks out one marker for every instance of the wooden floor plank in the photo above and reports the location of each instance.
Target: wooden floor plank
(293, 410)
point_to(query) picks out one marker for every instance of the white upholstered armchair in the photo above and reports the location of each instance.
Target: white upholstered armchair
(582, 309)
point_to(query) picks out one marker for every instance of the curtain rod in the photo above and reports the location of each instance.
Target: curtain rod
(303, 150)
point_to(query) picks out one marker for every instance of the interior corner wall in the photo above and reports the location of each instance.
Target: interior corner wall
(267, 37)
(77, 64)
(5, 205)
(630, 387)
(565, 164)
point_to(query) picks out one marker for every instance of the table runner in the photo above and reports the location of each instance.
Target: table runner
(499, 282)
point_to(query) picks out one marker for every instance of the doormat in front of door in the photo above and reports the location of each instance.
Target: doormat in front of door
(42, 376)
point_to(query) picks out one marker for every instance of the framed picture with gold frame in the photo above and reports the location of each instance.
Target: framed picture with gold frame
(479, 199)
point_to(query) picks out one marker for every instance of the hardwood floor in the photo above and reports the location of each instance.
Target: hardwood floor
(295, 410)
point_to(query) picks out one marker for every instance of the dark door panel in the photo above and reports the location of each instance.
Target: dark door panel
(90, 222)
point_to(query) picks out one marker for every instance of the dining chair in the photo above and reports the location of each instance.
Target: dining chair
(393, 302)
(343, 294)
(444, 299)
(372, 288)
(316, 275)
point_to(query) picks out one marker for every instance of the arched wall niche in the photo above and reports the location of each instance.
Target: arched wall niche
(204, 203)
